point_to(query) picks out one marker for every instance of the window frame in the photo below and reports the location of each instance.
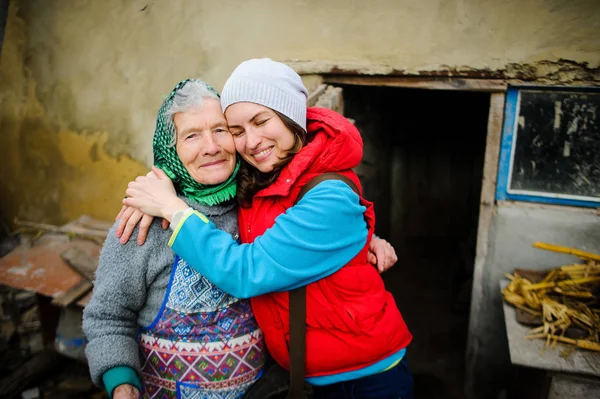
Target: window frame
(507, 147)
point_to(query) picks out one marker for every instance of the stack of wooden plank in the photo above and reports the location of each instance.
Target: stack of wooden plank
(56, 261)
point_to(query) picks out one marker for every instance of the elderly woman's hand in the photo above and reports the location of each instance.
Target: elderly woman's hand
(130, 217)
(155, 197)
(126, 391)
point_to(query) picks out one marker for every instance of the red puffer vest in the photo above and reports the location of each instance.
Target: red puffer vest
(352, 321)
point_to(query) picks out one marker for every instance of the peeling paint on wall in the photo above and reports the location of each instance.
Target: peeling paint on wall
(61, 175)
(554, 72)
(561, 72)
(50, 175)
(95, 178)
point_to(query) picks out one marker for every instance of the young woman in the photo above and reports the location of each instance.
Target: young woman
(356, 338)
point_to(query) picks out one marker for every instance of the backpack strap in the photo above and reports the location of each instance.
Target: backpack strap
(298, 307)
(325, 176)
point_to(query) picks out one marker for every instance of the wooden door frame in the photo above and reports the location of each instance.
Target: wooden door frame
(497, 89)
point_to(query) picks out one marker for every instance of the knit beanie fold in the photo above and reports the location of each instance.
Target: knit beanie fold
(268, 83)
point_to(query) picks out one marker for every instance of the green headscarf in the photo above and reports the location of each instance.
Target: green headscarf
(166, 158)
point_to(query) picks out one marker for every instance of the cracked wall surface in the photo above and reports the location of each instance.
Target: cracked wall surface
(81, 81)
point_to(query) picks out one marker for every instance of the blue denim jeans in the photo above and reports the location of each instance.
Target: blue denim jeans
(395, 383)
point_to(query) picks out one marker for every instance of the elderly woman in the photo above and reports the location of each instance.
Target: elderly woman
(155, 325)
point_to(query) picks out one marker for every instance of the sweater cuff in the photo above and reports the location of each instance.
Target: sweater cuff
(178, 216)
(181, 221)
(120, 375)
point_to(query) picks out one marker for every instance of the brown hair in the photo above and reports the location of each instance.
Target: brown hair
(251, 180)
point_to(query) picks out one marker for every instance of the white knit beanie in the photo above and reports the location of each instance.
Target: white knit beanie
(269, 83)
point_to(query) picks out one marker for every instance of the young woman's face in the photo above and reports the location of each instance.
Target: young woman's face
(260, 136)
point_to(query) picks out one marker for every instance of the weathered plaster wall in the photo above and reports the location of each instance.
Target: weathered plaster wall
(81, 80)
(52, 171)
(514, 228)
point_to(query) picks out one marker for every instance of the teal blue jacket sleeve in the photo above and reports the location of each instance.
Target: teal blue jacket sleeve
(119, 376)
(312, 240)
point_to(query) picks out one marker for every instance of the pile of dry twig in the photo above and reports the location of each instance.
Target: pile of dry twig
(566, 300)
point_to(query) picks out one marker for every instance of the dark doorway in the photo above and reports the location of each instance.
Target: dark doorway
(423, 167)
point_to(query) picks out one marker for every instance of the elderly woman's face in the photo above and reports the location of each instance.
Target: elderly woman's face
(204, 144)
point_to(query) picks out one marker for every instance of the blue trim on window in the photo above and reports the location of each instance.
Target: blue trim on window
(506, 148)
(552, 201)
(510, 116)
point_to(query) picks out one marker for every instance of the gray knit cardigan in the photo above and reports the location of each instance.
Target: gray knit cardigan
(129, 289)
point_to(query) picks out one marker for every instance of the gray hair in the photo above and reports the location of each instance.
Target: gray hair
(190, 96)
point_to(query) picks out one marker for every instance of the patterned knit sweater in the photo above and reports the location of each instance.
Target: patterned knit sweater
(130, 287)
